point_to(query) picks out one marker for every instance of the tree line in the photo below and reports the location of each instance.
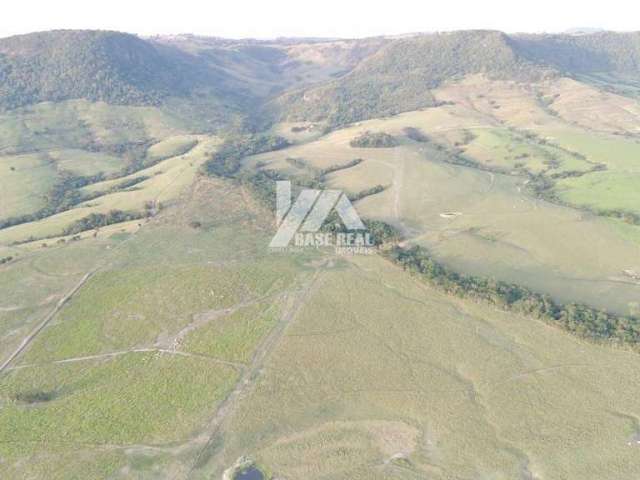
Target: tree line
(227, 160)
(581, 320)
(98, 220)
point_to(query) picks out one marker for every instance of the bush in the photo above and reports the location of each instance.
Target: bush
(374, 140)
(344, 166)
(367, 192)
(35, 396)
(416, 134)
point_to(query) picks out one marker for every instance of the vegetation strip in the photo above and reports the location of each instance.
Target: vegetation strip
(581, 320)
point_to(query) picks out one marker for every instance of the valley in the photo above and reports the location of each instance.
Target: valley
(147, 330)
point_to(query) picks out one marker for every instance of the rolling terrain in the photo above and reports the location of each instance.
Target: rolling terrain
(148, 332)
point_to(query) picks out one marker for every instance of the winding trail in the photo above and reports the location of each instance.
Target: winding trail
(397, 169)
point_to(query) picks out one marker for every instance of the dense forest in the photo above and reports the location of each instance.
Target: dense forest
(580, 54)
(227, 160)
(114, 67)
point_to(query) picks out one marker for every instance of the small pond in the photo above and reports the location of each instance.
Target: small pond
(250, 473)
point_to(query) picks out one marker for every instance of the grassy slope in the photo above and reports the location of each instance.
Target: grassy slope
(24, 180)
(386, 368)
(84, 138)
(174, 383)
(502, 232)
(178, 157)
(373, 366)
(600, 126)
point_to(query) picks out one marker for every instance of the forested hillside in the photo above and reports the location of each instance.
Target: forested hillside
(574, 54)
(123, 69)
(335, 81)
(108, 66)
(399, 77)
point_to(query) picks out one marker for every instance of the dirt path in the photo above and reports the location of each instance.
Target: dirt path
(199, 320)
(133, 350)
(398, 179)
(29, 338)
(397, 182)
(228, 405)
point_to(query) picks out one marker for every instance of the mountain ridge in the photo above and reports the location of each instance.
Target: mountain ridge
(340, 81)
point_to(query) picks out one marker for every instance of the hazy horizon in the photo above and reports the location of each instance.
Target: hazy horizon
(331, 19)
(580, 30)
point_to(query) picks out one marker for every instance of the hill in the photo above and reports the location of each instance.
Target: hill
(113, 67)
(587, 53)
(337, 81)
(123, 69)
(269, 67)
(400, 75)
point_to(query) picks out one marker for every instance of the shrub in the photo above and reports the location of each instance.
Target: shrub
(374, 140)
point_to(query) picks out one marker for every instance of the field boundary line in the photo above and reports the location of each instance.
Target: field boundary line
(61, 303)
(119, 353)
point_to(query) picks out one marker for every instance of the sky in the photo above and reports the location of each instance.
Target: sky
(319, 18)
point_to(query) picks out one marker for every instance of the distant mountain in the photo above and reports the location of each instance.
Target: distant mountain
(583, 30)
(400, 75)
(123, 69)
(336, 81)
(268, 67)
(587, 53)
